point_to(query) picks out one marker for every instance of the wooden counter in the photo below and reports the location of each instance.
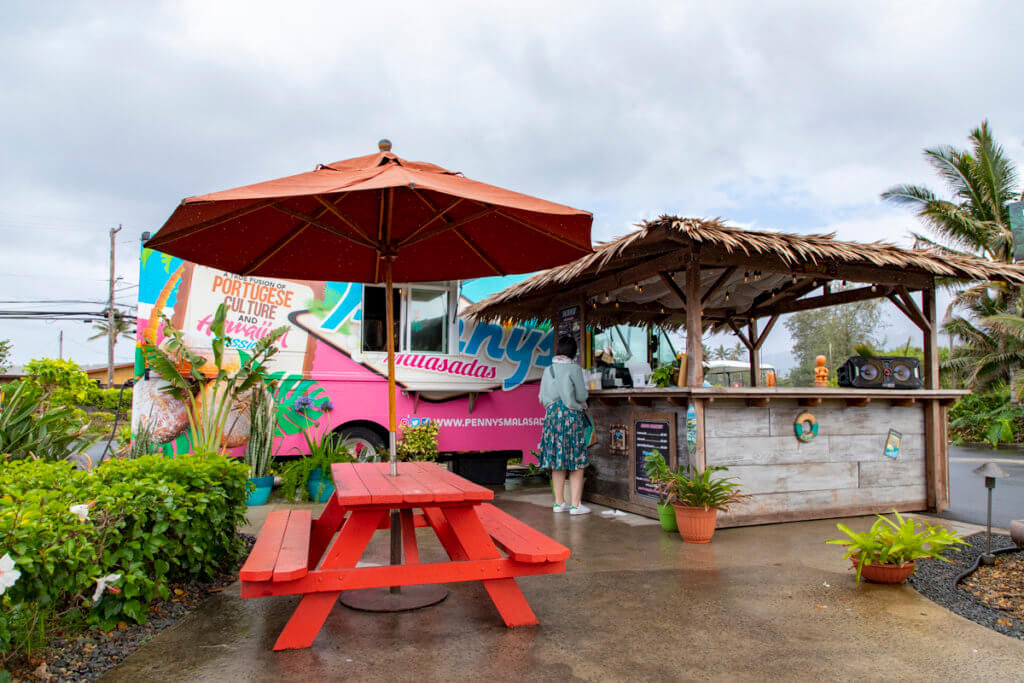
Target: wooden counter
(842, 471)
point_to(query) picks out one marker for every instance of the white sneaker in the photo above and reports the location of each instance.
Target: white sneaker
(579, 510)
(561, 508)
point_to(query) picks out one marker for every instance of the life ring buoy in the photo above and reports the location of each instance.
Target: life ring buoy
(798, 427)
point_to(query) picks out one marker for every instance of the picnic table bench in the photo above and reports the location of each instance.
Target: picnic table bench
(294, 553)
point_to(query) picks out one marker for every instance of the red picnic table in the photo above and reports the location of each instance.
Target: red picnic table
(294, 554)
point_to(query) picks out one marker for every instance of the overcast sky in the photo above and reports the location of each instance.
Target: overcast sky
(783, 116)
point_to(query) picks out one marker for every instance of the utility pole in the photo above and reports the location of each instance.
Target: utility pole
(60, 345)
(110, 313)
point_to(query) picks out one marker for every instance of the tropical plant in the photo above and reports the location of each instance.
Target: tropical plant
(988, 418)
(262, 425)
(124, 327)
(981, 182)
(687, 486)
(324, 449)
(61, 382)
(31, 429)
(662, 478)
(419, 442)
(899, 542)
(208, 411)
(5, 355)
(662, 377)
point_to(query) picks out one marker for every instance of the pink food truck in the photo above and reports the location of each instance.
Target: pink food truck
(478, 382)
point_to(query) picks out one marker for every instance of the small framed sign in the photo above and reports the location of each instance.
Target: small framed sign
(618, 436)
(892, 444)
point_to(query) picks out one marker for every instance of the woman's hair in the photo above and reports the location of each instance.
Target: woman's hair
(566, 347)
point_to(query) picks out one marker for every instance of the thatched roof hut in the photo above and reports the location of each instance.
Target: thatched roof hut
(743, 274)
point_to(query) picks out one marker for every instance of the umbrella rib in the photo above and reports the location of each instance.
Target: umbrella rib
(205, 225)
(480, 254)
(438, 214)
(313, 222)
(341, 216)
(450, 226)
(277, 246)
(548, 233)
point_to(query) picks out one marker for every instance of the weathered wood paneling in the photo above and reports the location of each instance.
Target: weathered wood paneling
(820, 504)
(734, 418)
(835, 418)
(871, 447)
(892, 473)
(753, 450)
(802, 477)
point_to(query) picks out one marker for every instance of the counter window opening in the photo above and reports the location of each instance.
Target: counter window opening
(422, 318)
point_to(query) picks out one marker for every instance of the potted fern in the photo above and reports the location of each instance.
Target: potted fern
(698, 498)
(663, 479)
(309, 477)
(259, 449)
(885, 553)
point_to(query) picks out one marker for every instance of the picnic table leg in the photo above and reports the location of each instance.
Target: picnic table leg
(477, 543)
(312, 611)
(412, 553)
(323, 530)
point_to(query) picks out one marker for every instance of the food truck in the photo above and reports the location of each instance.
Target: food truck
(477, 381)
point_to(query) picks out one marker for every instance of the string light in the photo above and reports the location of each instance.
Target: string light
(727, 296)
(607, 298)
(662, 309)
(794, 279)
(746, 276)
(616, 304)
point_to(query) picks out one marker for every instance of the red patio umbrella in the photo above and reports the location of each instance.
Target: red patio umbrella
(376, 218)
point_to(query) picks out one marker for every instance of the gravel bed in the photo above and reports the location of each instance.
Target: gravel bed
(934, 580)
(87, 656)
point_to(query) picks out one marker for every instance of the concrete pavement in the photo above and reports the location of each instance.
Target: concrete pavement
(634, 604)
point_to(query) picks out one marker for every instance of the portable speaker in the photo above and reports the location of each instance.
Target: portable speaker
(880, 372)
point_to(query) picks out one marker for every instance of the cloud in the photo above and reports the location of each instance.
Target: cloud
(788, 116)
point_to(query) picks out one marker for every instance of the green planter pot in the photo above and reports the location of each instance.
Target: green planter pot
(667, 515)
(320, 488)
(262, 492)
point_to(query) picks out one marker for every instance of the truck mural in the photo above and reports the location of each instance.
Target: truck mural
(478, 381)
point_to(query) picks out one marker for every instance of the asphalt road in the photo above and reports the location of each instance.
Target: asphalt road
(968, 495)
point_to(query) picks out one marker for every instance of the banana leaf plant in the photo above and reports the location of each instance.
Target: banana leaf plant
(208, 409)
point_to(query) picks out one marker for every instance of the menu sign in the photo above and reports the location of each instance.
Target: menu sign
(570, 325)
(649, 436)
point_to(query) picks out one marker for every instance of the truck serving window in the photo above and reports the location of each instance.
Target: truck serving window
(421, 318)
(375, 319)
(428, 320)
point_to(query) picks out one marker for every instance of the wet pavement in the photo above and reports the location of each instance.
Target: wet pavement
(968, 497)
(635, 603)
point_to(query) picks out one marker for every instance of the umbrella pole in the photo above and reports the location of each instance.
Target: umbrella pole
(396, 526)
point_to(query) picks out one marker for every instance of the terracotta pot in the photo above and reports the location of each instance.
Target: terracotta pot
(696, 525)
(885, 573)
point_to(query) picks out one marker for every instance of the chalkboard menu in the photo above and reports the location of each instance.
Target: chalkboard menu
(570, 325)
(649, 436)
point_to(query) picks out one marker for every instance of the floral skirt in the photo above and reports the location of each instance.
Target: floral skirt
(561, 442)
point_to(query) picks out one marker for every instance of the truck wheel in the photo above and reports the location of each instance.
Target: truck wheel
(373, 447)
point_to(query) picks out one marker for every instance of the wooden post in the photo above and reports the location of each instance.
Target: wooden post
(695, 353)
(755, 353)
(936, 445)
(111, 332)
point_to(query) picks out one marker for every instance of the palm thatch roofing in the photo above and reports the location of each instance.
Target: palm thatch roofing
(744, 275)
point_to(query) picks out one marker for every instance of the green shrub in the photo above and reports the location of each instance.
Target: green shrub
(419, 442)
(988, 418)
(107, 399)
(62, 382)
(30, 429)
(151, 520)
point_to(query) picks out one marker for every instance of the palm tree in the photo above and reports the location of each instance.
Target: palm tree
(982, 181)
(123, 327)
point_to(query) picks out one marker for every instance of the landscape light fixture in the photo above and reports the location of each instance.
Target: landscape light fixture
(991, 472)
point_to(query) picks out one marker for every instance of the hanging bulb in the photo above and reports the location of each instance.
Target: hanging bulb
(607, 298)
(874, 288)
(727, 296)
(662, 309)
(594, 303)
(616, 304)
(794, 279)
(746, 276)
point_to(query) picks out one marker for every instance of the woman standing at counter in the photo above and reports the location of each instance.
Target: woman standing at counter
(563, 393)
